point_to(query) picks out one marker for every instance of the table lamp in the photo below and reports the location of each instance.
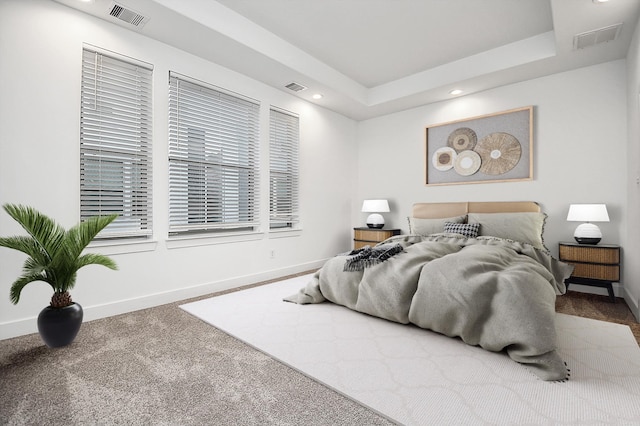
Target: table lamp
(375, 207)
(588, 233)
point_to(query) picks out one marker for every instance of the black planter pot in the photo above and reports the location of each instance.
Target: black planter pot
(59, 326)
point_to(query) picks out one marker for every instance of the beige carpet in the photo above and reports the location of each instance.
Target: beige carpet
(160, 366)
(416, 377)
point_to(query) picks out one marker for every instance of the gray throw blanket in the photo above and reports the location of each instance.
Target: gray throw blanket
(359, 259)
(494, 293)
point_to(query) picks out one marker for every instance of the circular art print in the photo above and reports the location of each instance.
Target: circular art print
(467, 163)
(462, 139)
(500, 152)
(444, 158)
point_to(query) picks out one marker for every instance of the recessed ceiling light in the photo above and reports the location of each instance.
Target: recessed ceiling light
(317, 96)
(455, 92)
(600, 1)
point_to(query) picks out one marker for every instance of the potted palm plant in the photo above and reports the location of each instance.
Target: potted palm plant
(55, 255)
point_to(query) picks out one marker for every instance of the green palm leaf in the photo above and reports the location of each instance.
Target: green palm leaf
(96, 259)
(19, 284)
(27, 245)
(55, 255)
(46, 233)
(33, 267)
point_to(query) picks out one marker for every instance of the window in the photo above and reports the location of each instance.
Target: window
(115, 143)
(213, 159)
(283, 169)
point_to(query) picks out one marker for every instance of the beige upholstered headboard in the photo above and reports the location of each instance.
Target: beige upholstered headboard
(443, 210)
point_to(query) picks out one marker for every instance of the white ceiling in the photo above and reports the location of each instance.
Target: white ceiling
(374, 57)
(378, 41)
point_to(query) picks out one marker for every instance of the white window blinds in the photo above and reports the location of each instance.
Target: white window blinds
(283, 169)
(115, 144)
(213, 158)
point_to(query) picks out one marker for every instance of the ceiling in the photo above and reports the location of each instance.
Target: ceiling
(373, 57)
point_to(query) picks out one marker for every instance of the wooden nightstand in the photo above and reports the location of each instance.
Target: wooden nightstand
(371, 236)
(595, 265)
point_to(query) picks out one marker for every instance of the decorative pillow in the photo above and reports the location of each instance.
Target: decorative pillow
(431, 226)
(524, 227)
(469, 230)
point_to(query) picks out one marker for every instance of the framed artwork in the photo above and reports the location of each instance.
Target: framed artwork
(490, 148)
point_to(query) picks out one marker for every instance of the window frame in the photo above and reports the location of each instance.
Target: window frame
(116, 139)
(284, 169)
(222, 162)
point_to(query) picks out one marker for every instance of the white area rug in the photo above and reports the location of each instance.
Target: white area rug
(417, 377)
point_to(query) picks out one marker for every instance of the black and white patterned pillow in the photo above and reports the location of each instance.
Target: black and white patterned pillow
(469, 230)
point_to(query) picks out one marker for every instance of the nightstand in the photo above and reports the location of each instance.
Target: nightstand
(371, 236)
(595, 265)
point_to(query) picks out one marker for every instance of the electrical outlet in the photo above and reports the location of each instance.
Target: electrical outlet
(272, 254)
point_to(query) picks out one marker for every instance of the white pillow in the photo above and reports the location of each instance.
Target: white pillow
(524, 227)
(419, 226)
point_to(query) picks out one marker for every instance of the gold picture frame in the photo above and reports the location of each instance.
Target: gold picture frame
(489, 148)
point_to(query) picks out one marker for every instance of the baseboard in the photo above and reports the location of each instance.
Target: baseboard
(28, 326)
(633, 306)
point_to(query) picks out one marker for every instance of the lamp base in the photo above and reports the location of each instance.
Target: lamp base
(587, 233)
(592, 241)
(375, 220)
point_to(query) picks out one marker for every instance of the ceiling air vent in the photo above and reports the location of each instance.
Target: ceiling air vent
(601, 35)
(295, 87)
(127, 15)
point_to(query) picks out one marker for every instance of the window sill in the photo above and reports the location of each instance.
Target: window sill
(122, 246)
(284, 233)
(208, 239)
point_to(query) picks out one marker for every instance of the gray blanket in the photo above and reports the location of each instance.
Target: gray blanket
(494, 293)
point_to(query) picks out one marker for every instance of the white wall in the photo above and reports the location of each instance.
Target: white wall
(632, 244)
(580, 146)
(579, 151)
(40, 67)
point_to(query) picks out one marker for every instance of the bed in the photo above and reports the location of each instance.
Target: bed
(478, 271)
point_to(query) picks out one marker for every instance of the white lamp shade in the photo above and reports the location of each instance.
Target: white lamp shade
(588, 213)
(375, 206)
